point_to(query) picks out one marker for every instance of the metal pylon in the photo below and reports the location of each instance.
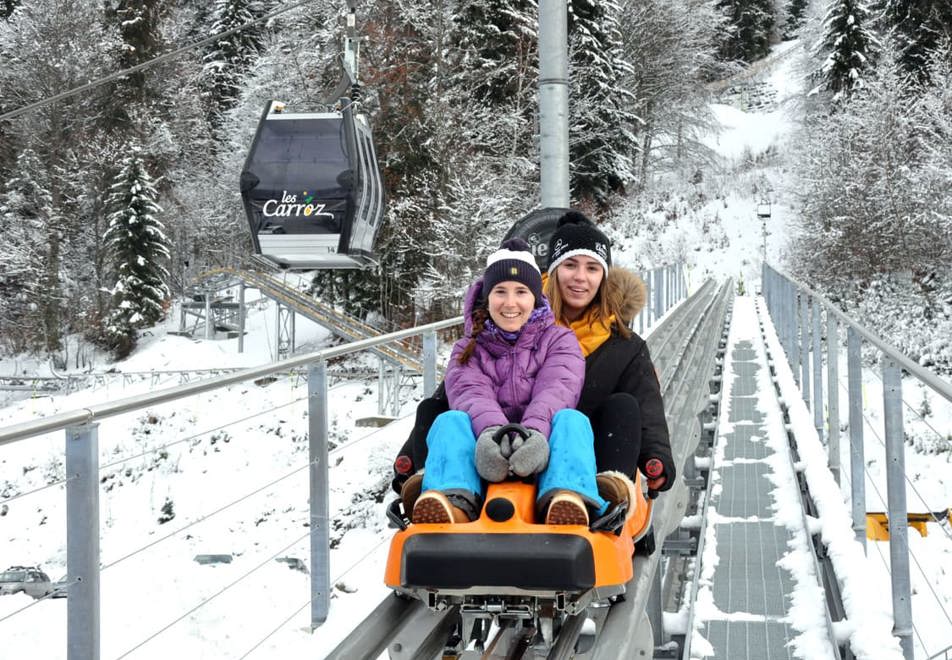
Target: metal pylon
(285, 339)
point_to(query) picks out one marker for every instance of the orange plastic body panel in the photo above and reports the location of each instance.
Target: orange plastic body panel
(612, 553)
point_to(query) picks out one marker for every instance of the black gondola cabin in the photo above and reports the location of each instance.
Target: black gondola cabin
(312, 190)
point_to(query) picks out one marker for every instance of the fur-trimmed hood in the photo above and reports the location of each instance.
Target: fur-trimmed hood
(626, 293)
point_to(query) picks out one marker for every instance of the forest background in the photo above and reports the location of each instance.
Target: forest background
(115, 199)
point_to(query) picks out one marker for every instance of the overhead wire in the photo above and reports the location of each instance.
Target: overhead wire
(150, 63)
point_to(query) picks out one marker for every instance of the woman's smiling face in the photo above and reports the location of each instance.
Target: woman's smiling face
(510, 304)
(578, 278)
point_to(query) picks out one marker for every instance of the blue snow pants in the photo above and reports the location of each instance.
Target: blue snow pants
(451, 461)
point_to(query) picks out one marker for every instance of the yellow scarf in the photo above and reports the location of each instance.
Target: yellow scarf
(590, 333)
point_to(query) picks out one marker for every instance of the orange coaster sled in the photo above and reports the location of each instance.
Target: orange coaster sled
(506, 552)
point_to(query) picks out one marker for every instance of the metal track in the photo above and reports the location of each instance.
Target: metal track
(344, 325)
(683, 349)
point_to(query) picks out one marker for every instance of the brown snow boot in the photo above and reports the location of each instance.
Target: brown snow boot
(433, 507)
(616, 487)
(566, 508)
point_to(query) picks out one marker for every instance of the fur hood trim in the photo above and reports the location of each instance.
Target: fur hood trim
(626, 292)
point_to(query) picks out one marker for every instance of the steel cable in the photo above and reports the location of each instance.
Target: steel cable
(215, 595)
(207, 516)
(150, 63)
(201, 433)
(311, 600)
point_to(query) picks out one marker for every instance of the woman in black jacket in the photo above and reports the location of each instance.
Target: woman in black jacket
(621, 395)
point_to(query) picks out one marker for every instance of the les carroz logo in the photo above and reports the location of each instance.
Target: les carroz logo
(289, 206)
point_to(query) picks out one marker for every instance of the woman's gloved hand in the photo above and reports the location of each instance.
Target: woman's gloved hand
(491, 464)
(530, 456)
(660, 471)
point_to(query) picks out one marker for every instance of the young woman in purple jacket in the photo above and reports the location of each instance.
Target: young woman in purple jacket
(514, 364)
(621, 395)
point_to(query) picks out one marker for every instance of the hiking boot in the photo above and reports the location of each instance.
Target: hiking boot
(615, 488)
(433, 508)
(410, 491)
(566, 508)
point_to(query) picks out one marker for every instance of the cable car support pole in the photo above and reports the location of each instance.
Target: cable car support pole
(554, 103)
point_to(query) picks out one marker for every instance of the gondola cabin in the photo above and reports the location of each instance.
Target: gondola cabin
(312, 190)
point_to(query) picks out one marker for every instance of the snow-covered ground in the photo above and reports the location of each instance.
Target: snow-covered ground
(231, 468)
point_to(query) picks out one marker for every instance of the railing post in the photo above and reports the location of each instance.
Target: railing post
(794, 334)
(854, 371)
(817, 371)
(209, 324)
(241, 316)
(319, 510)
(896, 494)
(429, 363)
(82, 542)
(658, 283)
(833, 392)
(805, 347)
(643, 312)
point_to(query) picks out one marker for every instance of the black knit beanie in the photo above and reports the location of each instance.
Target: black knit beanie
(576, 235)
(513, 262)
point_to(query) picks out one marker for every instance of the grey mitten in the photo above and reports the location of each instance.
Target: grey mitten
(490, 462)
(531, 456)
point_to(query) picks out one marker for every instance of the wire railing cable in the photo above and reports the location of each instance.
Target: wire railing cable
(872, 429)
(150, 63)
(209, 515)
(216, 594)
(201, 433)
(310, 600)
(36, 601)
(53, 484)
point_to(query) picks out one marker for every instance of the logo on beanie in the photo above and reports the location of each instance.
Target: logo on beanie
(602, 250)
(513, 271)
(559, 247)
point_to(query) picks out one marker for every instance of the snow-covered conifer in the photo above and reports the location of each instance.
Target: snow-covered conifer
(751, 24)
(602, 141)
(848, 45)
(139, 250)
(919, 28)
(231, 56)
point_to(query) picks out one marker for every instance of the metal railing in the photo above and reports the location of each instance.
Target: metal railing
(82, 462)
(798, 313)
(82, 466)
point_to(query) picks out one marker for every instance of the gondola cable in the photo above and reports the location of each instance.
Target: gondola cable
(150, 63)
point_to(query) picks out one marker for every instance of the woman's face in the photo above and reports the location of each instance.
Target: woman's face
(579, 278)
(510, 304)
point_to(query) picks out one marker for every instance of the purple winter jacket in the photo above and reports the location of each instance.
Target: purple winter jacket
(526, 382)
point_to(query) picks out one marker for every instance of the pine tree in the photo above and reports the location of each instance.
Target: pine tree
(139, 250)
(849, 45)
(795, 10)
(752, 22)
(920, 28)
(137, 22)
(602, 143)
(7, 7)
(25, 205)
(232, 56)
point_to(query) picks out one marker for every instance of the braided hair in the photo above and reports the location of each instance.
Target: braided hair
(480, 316)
